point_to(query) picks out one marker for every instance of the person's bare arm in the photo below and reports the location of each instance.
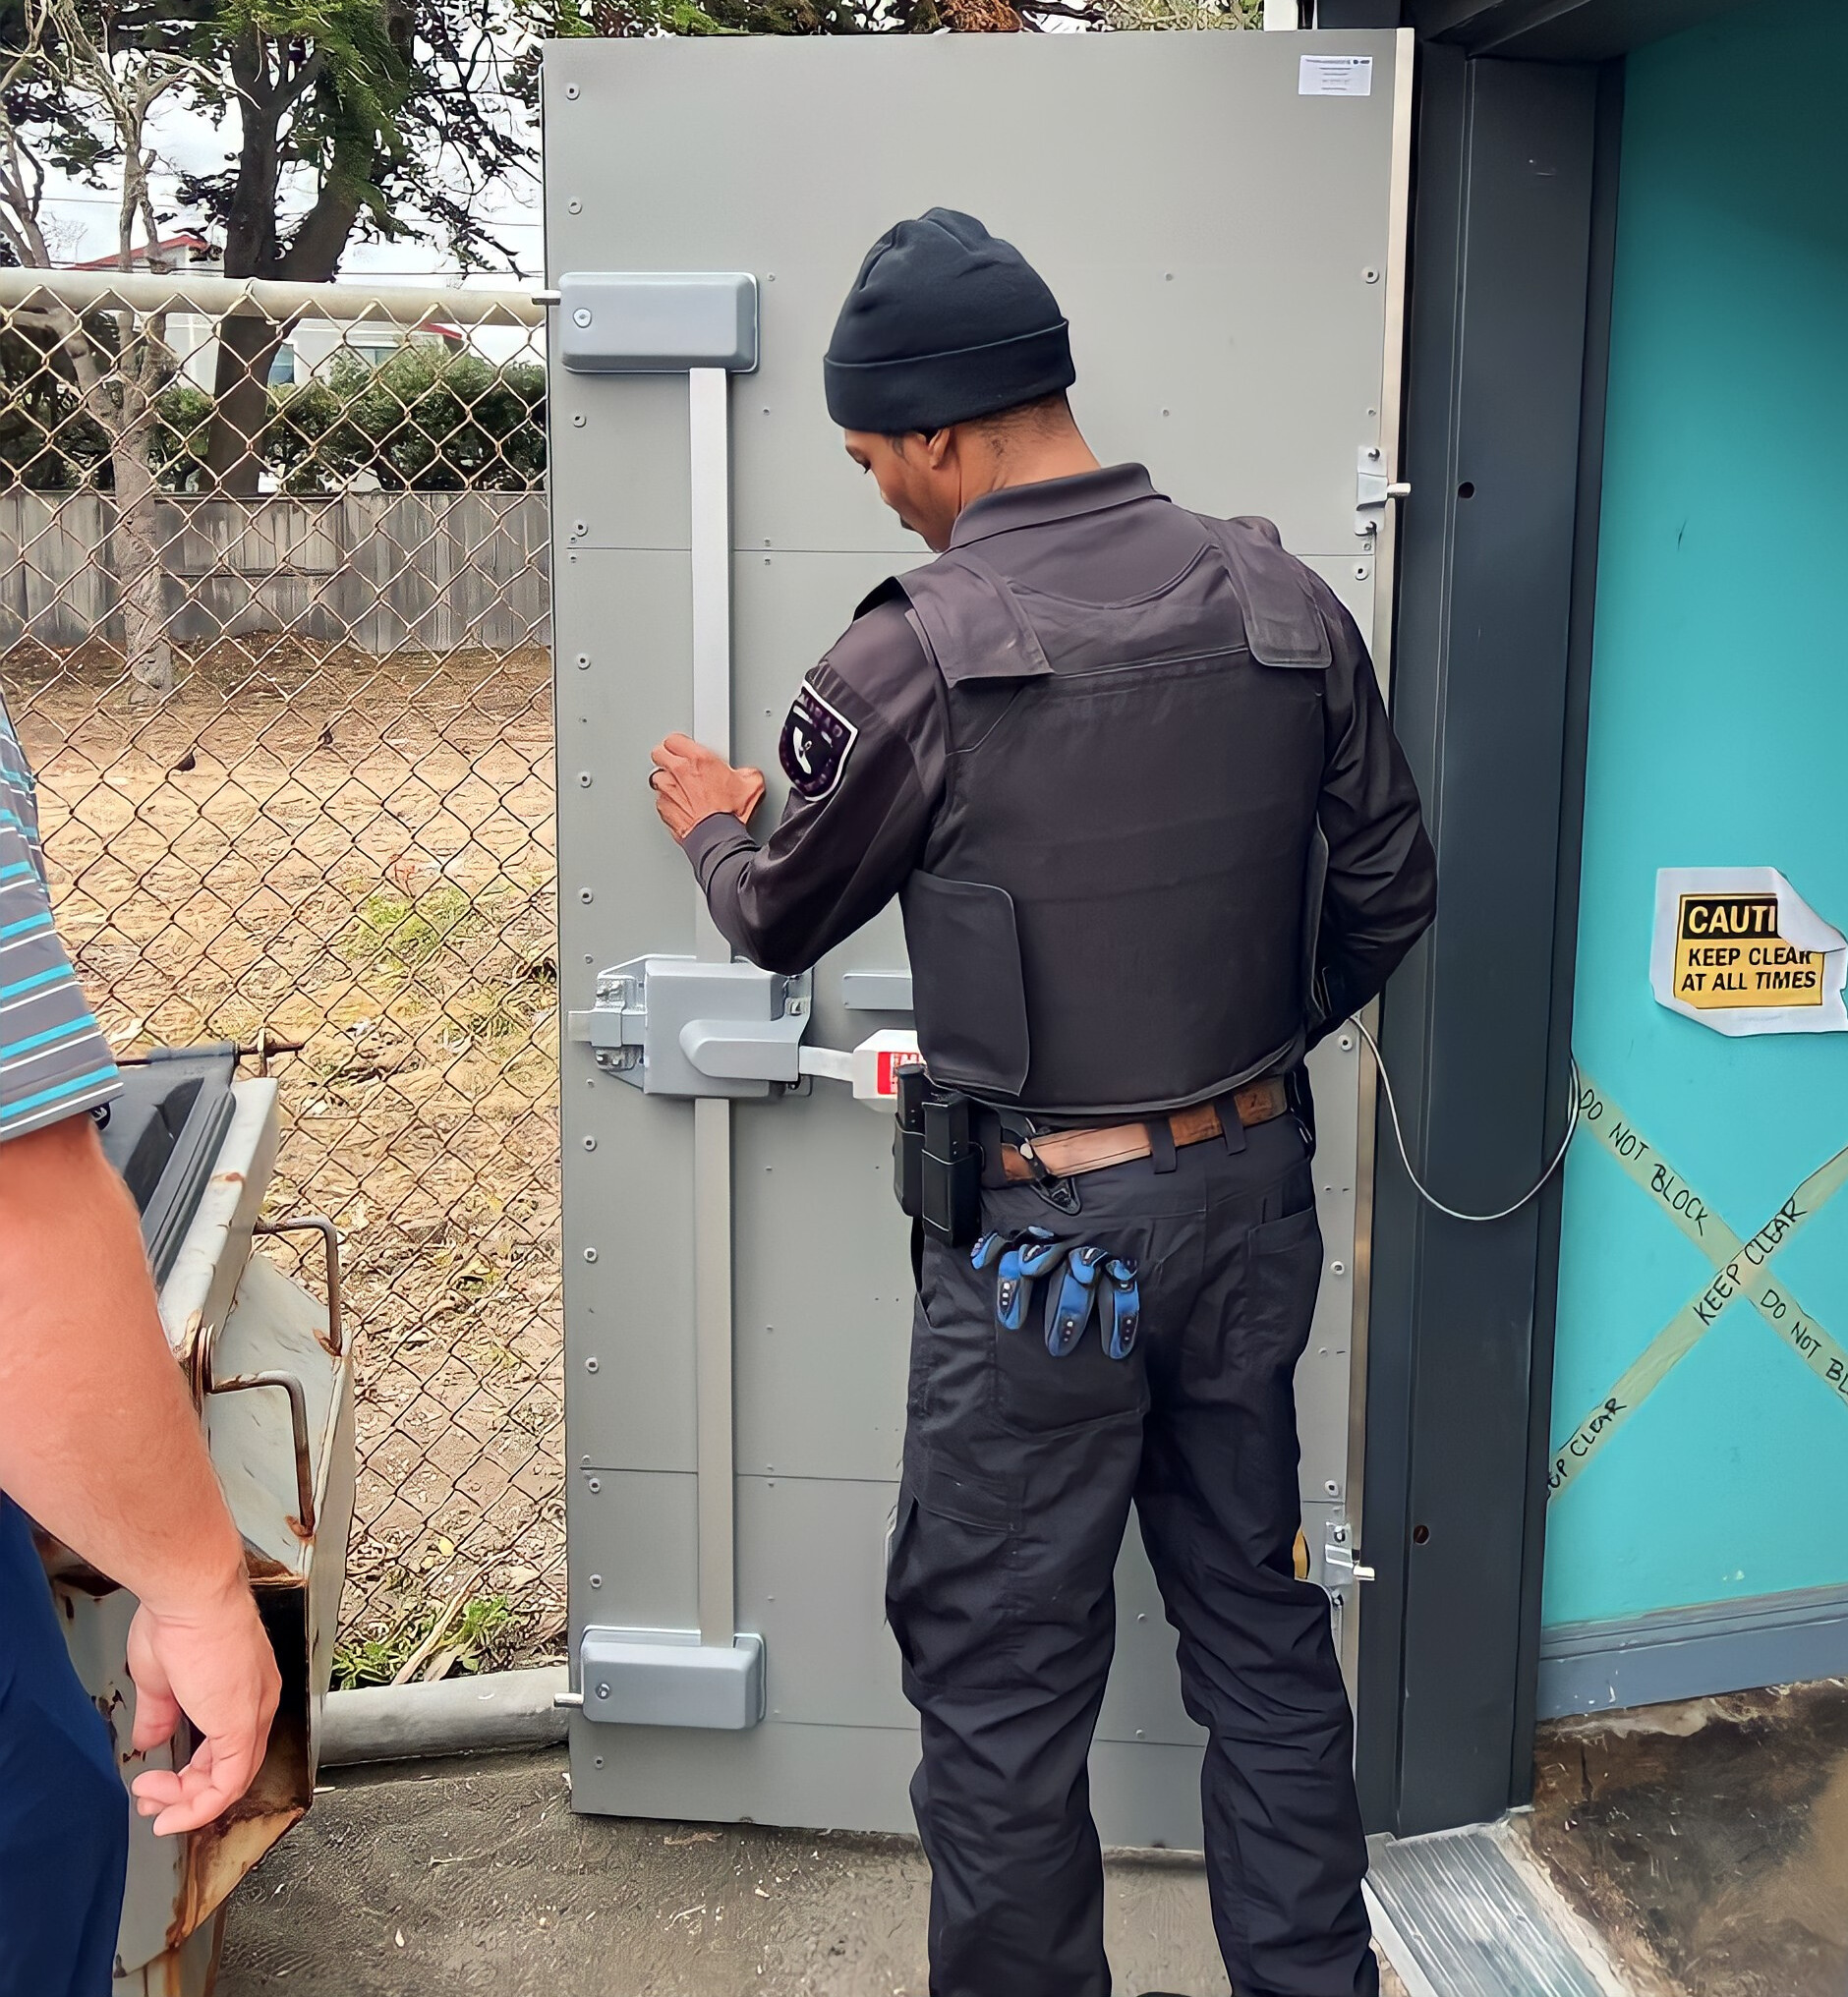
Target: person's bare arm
(100, 1444)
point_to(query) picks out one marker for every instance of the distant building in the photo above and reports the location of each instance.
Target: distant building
(312, 344)
(187, 251)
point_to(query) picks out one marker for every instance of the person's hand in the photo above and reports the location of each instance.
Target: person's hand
(691, 782)
(213, 1665)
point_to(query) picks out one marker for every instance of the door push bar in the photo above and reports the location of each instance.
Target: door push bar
(702, 323)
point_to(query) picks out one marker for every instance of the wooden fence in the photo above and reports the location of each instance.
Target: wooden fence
(380, 571)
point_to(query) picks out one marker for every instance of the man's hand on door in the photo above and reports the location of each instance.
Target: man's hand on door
(691, 782)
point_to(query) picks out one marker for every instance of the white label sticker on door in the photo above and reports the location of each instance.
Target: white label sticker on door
(1335, 75)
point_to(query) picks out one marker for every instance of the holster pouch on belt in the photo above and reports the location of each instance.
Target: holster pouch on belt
(935, 1160)
(952, 1185)
(907, 1139)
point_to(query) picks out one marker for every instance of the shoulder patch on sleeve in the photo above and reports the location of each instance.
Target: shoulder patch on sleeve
(817, 740)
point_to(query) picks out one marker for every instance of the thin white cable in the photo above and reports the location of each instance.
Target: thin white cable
(1423, 1191)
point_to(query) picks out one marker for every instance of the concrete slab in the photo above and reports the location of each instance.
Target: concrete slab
(434, 1879)
(456, 1877)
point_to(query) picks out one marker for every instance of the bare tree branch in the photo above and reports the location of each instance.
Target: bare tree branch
(120, 361)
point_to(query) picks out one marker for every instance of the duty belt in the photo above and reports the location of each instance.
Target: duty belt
(1064, 1154)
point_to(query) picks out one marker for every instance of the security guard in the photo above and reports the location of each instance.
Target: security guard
(1128, 769)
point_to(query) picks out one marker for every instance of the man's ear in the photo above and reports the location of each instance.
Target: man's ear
(938, 444)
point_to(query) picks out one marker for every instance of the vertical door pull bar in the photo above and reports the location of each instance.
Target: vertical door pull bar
(702, 323)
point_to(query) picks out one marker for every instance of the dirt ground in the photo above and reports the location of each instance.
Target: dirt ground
(426, 1882)
(354, 852)
(1708, 1842)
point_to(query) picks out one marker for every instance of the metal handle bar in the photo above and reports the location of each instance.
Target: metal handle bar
(319, 1224)
(242, 1383)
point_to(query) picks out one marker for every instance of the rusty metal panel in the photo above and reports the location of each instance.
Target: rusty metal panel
(276, 1381)
(197, 1296)
(273, 1443)
(96, 1616)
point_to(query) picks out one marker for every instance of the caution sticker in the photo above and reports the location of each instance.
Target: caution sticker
(1739, 949)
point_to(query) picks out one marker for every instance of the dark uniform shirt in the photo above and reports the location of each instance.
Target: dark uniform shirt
(838, 857)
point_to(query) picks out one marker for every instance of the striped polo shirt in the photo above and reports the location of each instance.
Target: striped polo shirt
(53, 1058)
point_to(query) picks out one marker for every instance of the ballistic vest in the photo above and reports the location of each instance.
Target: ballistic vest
(1117, 906)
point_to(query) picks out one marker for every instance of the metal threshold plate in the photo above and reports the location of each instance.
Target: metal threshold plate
(1455, 1915)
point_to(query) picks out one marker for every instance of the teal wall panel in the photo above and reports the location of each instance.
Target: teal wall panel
(1718, 737)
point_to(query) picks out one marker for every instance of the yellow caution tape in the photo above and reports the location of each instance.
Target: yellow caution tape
(1741, 1271)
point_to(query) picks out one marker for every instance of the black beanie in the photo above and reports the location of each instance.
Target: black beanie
(943, 323)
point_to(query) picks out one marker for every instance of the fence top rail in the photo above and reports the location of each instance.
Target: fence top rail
(86, 291)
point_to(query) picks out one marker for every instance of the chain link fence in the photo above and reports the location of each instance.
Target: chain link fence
(274, 631)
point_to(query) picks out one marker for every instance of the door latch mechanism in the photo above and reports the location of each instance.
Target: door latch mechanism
(1339, 1565)
(1372, 489)
(681, 1026)
(684, 1027)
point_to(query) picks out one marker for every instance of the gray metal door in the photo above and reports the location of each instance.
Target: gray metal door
(1221, 217)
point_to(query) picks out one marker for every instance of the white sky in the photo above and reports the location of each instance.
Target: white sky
(83, 219)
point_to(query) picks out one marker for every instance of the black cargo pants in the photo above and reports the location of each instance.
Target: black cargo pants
(1018, 1475)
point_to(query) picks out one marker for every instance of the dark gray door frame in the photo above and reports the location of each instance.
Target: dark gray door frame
(1513, 208)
